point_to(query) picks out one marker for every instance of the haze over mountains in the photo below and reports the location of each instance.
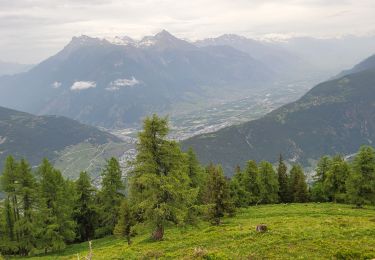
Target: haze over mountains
(10, 68)
(336, 116)
(115, 82)
(112, 85)
(205, 85)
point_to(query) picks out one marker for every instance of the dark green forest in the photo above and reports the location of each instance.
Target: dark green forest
(43, 212)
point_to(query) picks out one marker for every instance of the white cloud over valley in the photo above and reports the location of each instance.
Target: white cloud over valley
(82, 85)
(120, 83)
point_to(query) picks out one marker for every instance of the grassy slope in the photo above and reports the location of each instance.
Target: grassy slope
(305, 231)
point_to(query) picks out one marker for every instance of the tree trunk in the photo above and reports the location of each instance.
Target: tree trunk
(158, 233)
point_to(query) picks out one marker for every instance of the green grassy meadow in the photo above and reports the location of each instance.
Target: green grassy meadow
(296, 231)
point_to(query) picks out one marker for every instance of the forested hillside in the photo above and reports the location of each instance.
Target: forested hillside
(336, 116)
(34, 137)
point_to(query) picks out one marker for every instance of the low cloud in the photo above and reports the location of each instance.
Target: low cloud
(56, 84)
(81, 85)
(120, 83)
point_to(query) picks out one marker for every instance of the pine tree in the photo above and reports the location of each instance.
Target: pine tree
(195, 170)
(334, 186)
(283, 181)
(238, 191)
(9, 180)
(268, 183)
(85, 213)
(25, 225)
(159, 183)
(298, 185)
(57, 208)
(318, 190)
(217, 194)
(111, 196)
(251, 182)
(8, 244)
(125, 222)
(361, 183)
(322, 169)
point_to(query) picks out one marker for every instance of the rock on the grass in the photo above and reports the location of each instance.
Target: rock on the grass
(261, 228)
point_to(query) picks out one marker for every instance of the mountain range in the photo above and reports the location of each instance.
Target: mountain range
(336, 116)
(114, 84)
(276, 57)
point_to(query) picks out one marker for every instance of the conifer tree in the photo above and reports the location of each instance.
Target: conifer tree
(334, 186)
(159, 183)
(318, 190)
(298, 185)
(25, 225)
(251, 182)
(111, 195)
(238, 193)
(217, 194)
(125, 222)
(85, 211)
(322, 168)
(9, 180)
(268, 183)
(56, 200)
(361, 183)
(283, 181)
(195, 171)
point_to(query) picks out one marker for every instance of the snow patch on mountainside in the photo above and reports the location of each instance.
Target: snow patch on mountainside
(120, 83)
(81, 85)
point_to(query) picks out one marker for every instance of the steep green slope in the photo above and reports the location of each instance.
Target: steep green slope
(336, 116)
(35, 137)
(334, 231)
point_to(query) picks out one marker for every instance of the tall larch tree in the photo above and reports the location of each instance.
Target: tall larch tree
(334, 186)
(298, 186)
(125, 222)
(85, 211)
(9, 180)
(217, 194)
(111, 195)
(361, 183)
(268, 183)
(160, 186)
(26, 225)
(56, 200)
(321, 172)
(283, 179)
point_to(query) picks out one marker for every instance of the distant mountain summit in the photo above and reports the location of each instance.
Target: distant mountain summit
(114, 83)
(10, 68)
(336, 116)
(284, 62)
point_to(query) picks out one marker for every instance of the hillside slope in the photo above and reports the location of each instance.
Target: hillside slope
(336, 116)
(334, 231)
(35, 137)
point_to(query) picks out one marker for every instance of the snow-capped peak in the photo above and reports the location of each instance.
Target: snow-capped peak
(122, 40)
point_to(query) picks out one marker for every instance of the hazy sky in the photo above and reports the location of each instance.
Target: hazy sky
(32, 30)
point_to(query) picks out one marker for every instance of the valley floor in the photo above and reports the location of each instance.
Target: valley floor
(296, 231)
